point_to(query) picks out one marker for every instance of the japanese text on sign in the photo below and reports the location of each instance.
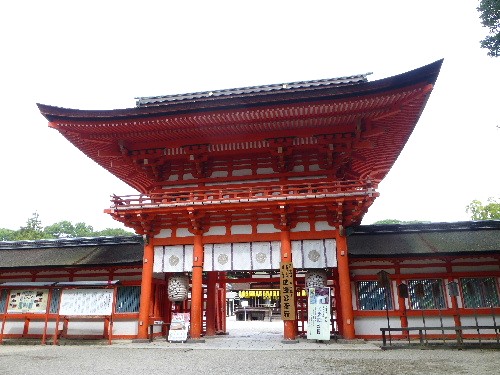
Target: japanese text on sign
(318, 323)
(287, 291)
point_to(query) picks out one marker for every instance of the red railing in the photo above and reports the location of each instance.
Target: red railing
(228, 194)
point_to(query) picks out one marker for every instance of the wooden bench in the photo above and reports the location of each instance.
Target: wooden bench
(458, 331)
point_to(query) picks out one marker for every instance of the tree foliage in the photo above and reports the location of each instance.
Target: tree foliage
(396, 221)
(490, 18)
(33, 230)
(489, 211)
(67, 229)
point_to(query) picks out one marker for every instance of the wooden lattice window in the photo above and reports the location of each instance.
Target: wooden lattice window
(54, 301)
(127, 299)
(426, 294)
(480, 292)
(3, 300)
(373, 297)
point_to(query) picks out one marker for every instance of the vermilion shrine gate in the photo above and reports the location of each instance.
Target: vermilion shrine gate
(245, 179)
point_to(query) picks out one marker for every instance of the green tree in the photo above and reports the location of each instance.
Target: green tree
(65, 229)
(59, 230)
(84, 230)
(32, 231)
(112, 232)
(7, 234)
(489, 211)
(490, 18)
(396, 221)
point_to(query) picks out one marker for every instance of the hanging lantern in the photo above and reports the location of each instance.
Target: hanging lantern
(453, 288)
(403, 290)
(315, 279)
(178, 288)
(383, 279)
(419, 290)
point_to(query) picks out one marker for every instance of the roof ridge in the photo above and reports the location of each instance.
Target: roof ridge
(352, 79)
(427, 227)
(69, 242)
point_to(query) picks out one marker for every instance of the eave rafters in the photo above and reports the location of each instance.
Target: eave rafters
(337, 112)
(372, 119)
(339, 150)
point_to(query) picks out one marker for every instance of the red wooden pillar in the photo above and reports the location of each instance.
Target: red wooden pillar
(221, 306)
(403, 318)
(197, 288)
(344, 285)
(211, 303)
(146, 289)
(289, 326)
(338, 311)
(454, 302)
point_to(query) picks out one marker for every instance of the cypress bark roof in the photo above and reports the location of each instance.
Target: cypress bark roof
(468, 237)
(98, 251)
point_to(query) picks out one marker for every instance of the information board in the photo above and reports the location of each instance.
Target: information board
(179, 327)
(318, 321)
(28, 301)
(287, 291)
(86, 302)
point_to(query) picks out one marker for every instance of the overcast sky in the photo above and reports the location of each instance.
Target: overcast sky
(103, 54)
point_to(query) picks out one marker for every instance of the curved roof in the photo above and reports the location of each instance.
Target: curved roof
(381, 114)
(425, 239)
(72, 252)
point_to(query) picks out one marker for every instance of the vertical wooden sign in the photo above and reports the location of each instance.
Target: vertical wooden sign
(287, 289)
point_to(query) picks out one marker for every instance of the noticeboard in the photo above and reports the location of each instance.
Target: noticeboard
(86, 302)
(28, 301)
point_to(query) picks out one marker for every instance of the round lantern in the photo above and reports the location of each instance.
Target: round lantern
(315, 279)
(178, 288)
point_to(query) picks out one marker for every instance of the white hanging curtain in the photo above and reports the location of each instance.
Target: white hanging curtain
(246, 256)
(307, 254)
(176, 258)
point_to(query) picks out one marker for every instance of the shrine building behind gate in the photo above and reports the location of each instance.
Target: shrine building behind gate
(251, 180)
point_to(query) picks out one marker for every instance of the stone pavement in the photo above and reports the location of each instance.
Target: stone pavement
(251, 348)
(254, 335)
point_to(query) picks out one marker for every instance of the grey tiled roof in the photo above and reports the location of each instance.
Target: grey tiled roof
(72, 252)
(425, 239)
(252, 90)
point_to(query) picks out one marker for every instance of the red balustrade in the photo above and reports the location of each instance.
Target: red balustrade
(229, 194)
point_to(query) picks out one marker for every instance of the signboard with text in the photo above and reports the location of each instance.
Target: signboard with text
(179, 327)
(86, 302)
(28, 301)
(287, 291)
(318, 321)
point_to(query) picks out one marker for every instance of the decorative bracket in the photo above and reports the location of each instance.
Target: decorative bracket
(281, 150)
(196, 219)
(284, 215)
(198, 155)
(335, 214)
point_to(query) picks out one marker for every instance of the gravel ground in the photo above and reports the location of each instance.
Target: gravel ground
(250, 348)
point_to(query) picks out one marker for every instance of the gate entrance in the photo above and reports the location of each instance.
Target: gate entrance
(253, 304)
(260, 280)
